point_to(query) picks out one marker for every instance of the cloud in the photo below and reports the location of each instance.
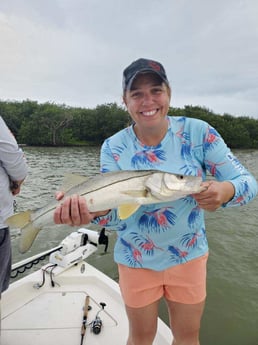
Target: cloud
(73, 52)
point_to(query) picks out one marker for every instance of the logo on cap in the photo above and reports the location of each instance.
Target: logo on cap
(154, 65)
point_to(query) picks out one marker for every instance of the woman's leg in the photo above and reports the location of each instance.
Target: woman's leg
(142, 324)
(185, 320)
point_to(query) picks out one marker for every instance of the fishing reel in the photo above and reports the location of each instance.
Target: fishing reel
(96, 325)
(97, 322)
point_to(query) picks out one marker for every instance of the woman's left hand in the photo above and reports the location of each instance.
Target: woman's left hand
(217, 193)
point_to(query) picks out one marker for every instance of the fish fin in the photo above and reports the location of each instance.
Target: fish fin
(126, 210)
(28, 235)
(19, 220)
(23, 221)
(136, 193)
(71, 180)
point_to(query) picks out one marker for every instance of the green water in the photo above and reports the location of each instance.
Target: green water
(231, 313)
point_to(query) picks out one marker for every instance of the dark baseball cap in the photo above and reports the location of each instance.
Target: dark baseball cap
(142, 66)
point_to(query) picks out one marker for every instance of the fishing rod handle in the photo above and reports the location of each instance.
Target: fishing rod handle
(85, 315)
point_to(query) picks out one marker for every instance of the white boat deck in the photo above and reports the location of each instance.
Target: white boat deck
(53, 315)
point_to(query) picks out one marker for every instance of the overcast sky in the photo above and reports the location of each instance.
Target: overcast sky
(73, 52)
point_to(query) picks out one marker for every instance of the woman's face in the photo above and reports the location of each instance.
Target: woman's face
(148, 100)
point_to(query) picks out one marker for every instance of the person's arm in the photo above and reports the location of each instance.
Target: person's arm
(234, 184)
(12, 158)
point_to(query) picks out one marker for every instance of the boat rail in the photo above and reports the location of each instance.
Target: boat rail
(26, 264)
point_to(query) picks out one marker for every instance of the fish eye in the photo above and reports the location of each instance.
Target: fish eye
(180, 177)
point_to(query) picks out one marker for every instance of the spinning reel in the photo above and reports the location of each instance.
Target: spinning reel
(97, 322)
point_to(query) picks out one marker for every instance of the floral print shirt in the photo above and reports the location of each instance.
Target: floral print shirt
(158, 236)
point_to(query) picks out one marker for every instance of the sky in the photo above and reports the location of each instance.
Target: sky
(73, 52)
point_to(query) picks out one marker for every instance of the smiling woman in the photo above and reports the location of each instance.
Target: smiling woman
(148, 104)
(147, 97)
(163, 243)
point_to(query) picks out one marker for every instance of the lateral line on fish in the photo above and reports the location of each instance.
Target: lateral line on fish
(148, 172)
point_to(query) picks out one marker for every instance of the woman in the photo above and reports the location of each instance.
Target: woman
(162, 249)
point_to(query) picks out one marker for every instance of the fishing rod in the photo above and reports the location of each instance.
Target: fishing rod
(85, 315)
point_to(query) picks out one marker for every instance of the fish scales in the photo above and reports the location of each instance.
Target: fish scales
(125, 190)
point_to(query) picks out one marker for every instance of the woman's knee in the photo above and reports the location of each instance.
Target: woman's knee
(142, 324)
(186, 338)
(185, 321)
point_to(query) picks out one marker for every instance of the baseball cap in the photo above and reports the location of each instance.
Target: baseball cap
(141, 66)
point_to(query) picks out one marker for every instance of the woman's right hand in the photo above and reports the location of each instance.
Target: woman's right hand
(73, 210)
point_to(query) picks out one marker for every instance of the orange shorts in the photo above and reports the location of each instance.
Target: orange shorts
(184, 283)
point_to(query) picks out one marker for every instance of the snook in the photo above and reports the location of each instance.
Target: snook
(125, 190)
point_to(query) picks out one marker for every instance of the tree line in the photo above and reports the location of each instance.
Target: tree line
(50, 124)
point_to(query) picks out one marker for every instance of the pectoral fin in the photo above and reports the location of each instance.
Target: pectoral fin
(126, 210)
(136, 193)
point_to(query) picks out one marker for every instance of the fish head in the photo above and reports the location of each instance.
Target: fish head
(167, 186)
(186, 183)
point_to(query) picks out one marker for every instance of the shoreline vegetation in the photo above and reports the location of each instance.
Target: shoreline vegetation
(50, 124)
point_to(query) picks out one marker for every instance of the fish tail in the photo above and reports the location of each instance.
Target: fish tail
(29, 232)
(28, 235)
(19, 220)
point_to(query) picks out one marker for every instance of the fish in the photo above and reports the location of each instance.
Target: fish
(125, 190)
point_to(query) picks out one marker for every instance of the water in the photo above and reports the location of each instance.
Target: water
(231, 313)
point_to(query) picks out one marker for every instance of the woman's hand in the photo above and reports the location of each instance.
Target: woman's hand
(73, 210)
(217, 193)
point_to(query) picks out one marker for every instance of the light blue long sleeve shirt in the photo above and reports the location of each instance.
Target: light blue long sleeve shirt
(159, 236)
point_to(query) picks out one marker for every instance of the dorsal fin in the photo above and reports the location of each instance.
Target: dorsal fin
(71, 180)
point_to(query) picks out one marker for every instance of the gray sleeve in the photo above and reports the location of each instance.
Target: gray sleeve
(11, 156)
